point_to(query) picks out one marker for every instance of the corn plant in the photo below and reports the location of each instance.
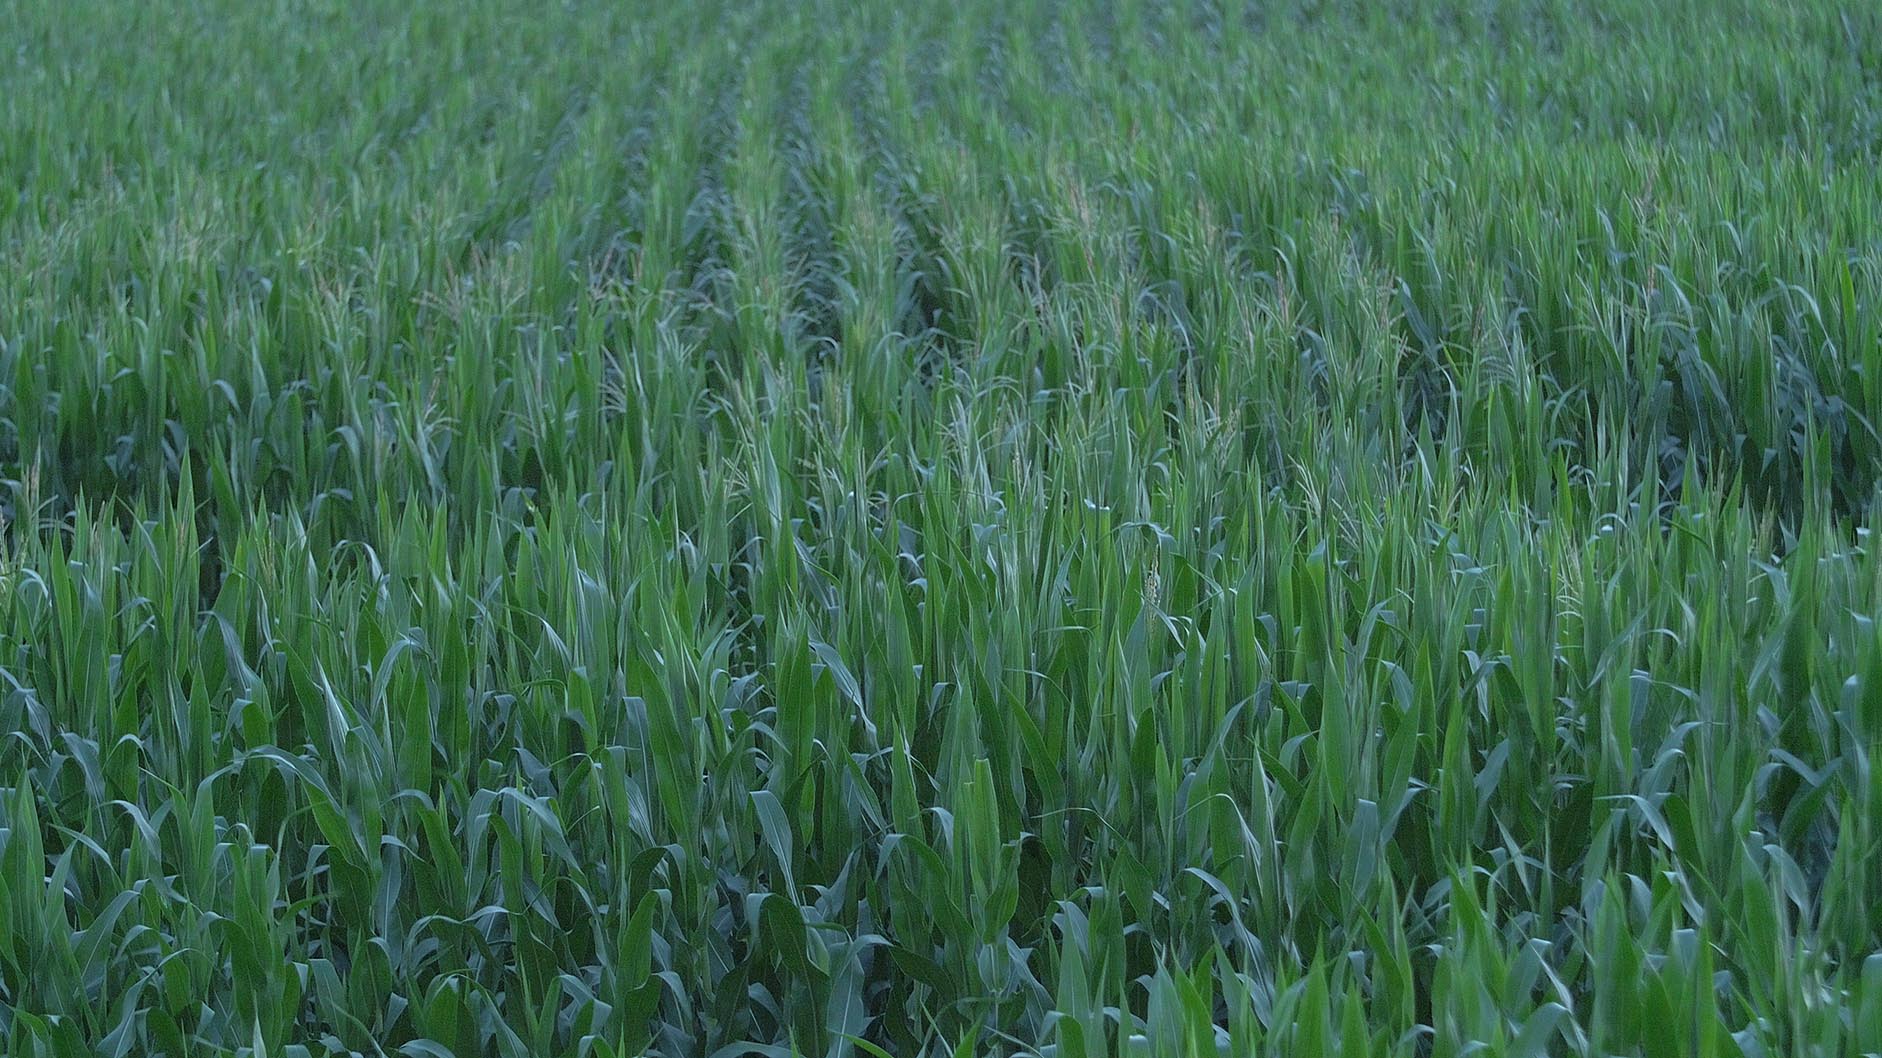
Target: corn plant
(1022, 528)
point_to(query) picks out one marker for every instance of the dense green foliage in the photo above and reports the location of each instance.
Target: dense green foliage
(1163, 528)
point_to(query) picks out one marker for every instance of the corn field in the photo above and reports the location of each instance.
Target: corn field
(1026, 528)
